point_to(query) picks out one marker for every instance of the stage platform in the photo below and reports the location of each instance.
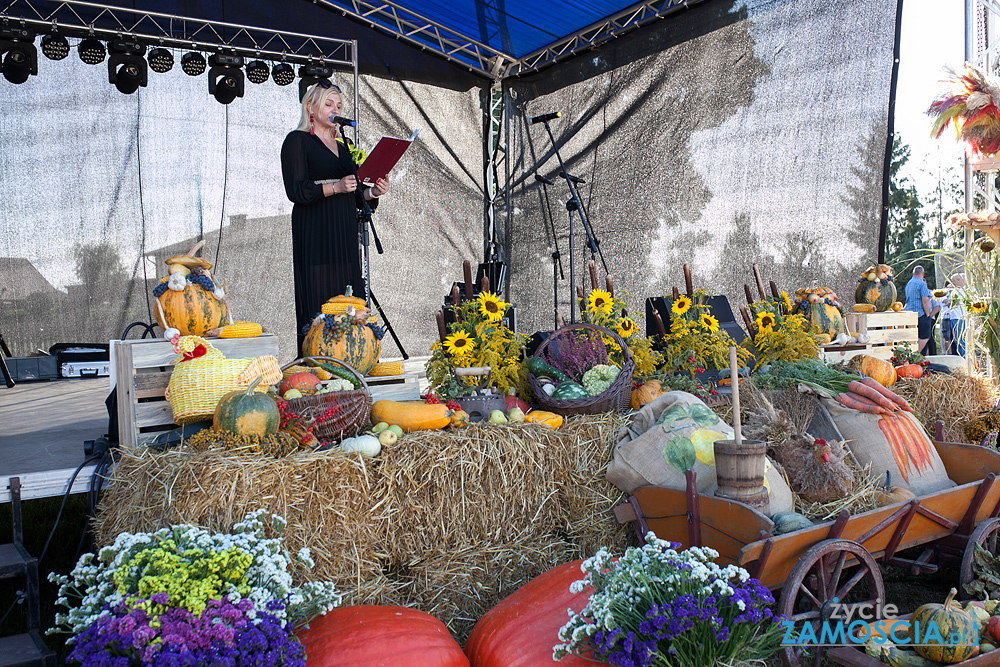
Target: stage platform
(43, 426)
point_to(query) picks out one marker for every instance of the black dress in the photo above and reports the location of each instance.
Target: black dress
(325, 249)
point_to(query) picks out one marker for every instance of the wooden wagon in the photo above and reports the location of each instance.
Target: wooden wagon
(813, 566)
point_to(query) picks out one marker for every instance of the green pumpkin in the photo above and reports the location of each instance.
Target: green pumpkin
(948, 621)
(192, 311)
(246, 412)
(789, 522)
(879, 293)
(568, 391)
(828, 319)
(359, 347)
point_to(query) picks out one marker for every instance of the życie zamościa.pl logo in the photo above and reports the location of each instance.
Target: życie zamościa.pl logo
(857, 624)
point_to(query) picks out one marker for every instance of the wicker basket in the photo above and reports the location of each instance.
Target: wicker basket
(354, 407)
(614, 399)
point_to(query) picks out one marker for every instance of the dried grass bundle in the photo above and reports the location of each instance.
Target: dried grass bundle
(955, 399)
(450, 522)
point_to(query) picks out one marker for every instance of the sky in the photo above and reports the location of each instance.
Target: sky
(932, 38)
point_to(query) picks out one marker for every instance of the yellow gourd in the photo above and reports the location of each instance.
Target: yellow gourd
(548, 419)
(460, 419)
(411, 415)
(897, 306)
(241, 329)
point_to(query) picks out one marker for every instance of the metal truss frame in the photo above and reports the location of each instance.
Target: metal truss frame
(79, 18)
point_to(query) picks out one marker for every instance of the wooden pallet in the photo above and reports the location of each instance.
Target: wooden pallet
(884, 330)
(142, 371)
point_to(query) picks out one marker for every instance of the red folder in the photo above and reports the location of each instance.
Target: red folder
(383, 158)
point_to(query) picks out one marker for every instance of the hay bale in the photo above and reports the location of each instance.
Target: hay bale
(955, 399)
(450, 522)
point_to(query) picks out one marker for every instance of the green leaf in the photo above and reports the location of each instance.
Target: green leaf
(673, 413)
(703, 415)
(679, 452)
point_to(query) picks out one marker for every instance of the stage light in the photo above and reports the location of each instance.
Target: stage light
(193, 63)
(126, 66)
(91, 51)
(310, 74)
(258, 71)
(55, 47)
(225, 79)
(20, 57)
(283, 74)
(160, 60)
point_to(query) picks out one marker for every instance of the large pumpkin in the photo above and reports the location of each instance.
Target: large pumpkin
(645, 393)
(246, 413)
(876, 286)
(523, 628)
(949, 622)
(192, 311)
(359, 347)
(820, 308)
(877, 369)
(376, 636)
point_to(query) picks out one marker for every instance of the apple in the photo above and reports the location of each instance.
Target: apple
(387, 437)
(993, 627)
(511, 402)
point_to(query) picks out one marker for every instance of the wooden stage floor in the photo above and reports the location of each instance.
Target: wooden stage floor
(43, 426)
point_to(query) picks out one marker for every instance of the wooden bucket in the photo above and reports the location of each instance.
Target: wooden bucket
(739, 472)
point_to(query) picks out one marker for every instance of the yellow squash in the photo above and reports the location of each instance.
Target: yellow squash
(548, 419)
(411, 415)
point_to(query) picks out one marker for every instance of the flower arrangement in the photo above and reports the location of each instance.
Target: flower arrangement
(781, 335)
(605, 310)
(658, 606)
(185, 596)
(478, 338)
(695, 341)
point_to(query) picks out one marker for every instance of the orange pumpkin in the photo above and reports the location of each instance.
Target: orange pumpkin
(359, 347)
(877, 369)
(910, 371)
(645, 393)
(192, 311)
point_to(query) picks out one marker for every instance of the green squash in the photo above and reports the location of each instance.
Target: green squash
(359, 347)
(948, 621)
(879, 293)
(789, 522)
(568, 391)
(828, 319)
(246, 412)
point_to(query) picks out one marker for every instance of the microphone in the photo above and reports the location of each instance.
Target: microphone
(340, 120)
(544, 118)
(576, 179)
(542, 179)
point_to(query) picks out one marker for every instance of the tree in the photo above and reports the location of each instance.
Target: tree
(905, 241)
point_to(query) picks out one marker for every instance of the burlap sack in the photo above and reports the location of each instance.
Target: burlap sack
(675, 432)
(896, 443)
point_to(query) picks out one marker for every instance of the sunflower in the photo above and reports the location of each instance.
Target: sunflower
(459, 344)
(786, 302)
(766, 322)
(600, 301)
(626, 327)
(978, 306)
(681, 305)
(709, 322)
(491, 307)
(938, 293)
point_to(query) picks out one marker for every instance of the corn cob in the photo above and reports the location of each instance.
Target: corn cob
(384, 368)
(241, 329)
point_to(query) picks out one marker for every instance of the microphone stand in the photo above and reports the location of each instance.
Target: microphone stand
(574, 205)
(557, 268)
(364, 222)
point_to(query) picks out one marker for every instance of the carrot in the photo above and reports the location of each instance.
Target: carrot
(882, 410)
(851, 400)
(888, 393)
(898, 449)
(872, 395)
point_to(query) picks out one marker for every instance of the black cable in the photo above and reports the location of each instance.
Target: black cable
(225, 179)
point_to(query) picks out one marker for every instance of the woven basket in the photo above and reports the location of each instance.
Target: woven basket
(354, 407)
(614, 399)
(197, 385)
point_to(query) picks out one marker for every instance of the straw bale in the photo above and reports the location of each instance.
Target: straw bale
(954, 398)
(450, 522)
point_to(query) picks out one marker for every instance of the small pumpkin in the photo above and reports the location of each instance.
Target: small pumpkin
(412, 415)
(192, 311)
(645, 393)
(890, 495)
(359, 347)
(877, 369)
(897, 306)
(949, 622)
(368, 445)
(303, 381)
(246, 412)
(789, 522)
(460, 419)
(910, 371)
(544, 418)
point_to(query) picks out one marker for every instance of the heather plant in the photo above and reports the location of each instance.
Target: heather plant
(576, 352)
(657, 606)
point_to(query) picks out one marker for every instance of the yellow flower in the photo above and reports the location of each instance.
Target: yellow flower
(786, 302)
(626, 327)
(491, 307)
(766, 322)
(600, 301)
(680, 306)
(709, 322)
(459, 343)
(978, 306)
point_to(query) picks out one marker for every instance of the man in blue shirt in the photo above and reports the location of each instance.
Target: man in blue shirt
(918, 300)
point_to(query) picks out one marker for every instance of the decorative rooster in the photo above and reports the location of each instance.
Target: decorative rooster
(970, 106)
(819, 475)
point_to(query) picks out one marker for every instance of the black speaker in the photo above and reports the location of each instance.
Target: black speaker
(495, 271)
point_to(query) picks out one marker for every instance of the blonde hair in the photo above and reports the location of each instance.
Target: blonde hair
(314, 96)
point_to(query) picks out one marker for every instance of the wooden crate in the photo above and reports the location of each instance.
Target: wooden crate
(142, 371)
(884, 330)
(841, 353)
(405, 387)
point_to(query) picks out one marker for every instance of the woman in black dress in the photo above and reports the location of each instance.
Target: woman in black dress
(325, 250)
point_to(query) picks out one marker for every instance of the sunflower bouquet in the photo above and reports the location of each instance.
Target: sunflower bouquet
(695, 342)
(781, 334)
(605, 310)
(479, 338)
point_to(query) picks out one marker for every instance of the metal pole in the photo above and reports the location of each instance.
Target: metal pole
(354, 61)
(970, 39)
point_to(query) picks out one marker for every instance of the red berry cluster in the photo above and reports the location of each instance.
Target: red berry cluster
(327, 414)
(431, 398)
(453, 405)
(286, 414)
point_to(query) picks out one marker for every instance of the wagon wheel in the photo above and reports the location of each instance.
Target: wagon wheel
(986, 535)
(818, 577)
